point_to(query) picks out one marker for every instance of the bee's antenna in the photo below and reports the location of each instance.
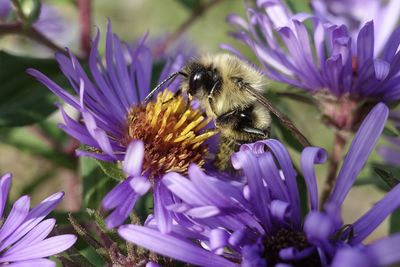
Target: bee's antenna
(169, 78)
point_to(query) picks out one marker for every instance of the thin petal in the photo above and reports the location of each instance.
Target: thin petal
(259, 195)
(45, 248)
(203, 212)
(385, 251)
(134, 157)
(218, 240)
(35, 262)
(16, 217)
(348, 257)
(171, 246)
(35, 216)
(140, 185)
(162, 199)
(37, 234)
(375, 216)
(309, 157)
(362, 145)
(5, 182)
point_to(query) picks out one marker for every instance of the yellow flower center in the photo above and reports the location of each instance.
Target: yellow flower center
(173, 134)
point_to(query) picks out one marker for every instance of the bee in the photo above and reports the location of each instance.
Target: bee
(230, 91)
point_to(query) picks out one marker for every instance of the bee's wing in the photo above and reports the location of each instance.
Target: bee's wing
(282, 117)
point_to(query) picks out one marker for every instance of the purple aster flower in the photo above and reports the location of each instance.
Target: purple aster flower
(355, 13)
(153, 138)
(338, 68)
(5, 9)
(259, 223)
(23, 233)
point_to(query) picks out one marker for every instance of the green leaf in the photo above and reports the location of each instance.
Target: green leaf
(112, 170)
(394, 222)
(303, 192)
(95, 183)
(387, 177)
(383, 179)
(390, 130)
(23, 100)
(30, 10)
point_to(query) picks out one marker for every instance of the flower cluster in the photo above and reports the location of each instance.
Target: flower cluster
(24, 232)
(259, 223)
(344, 71)
(252, 217)
(152, 138)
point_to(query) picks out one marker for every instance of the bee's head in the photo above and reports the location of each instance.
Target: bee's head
(202, 81)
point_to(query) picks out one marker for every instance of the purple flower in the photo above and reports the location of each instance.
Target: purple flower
(23, 233)
(259, 223)
(338, 68)
(5, 9)
(355, 13)
(152, 138)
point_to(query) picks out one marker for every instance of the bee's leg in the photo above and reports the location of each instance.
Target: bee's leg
(242, 122)
(255, 131)
(226, 148)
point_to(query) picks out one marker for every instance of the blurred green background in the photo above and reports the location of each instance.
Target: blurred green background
(39, 171)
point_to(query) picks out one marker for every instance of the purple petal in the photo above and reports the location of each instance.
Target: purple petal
(203, 212)
(45, 248)
(37, 234)
(184, 189)
(286, 165)
(280, 210)
(218, 240)
(349, 257)
(16, 217)
(259, 195)
(55, 88)
(385, 251)
(365, 44)
(140, 185)
(382, 69)
(5, 9)
(118, 194)
(5, 182)
(375, 216)
(362, 145)
(35, 262)
(171, 246)
(217, 192)
(319, 228)
(273, 178)
(98, 134)
(123, 204)
(309, 157)
(35, 216)
(162, 199)
(134, 157)
(292, 253)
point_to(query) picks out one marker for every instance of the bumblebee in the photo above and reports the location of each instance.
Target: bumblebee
(230, 91)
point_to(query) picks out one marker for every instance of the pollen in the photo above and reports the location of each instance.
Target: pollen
(172, 131)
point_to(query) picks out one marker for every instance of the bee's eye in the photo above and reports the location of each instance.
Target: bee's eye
(198, 79)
